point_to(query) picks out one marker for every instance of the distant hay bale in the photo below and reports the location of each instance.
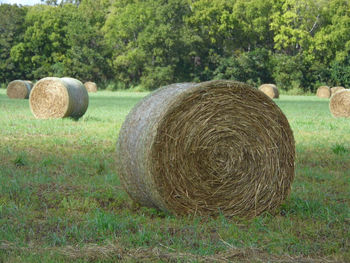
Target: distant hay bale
(90, 86)
(207, 148)
(336, 89)
(53, 98)
(339, 104)
(323, 92)
(19, 89)
(270, 90)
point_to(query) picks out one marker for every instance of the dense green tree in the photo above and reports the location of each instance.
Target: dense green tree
(254, 18)
(225, 30)
(340, 72)
(147, 38)
(295, 22)
(11, 33)
(298, 44)
(45, 43)
(332, 41)
(61, 41)
(252, 67)
(87, 57)
(288, 71)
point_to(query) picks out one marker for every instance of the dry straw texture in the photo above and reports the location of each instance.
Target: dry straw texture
(270, 90)
(115, 252)
(339, 104)
(323, 92)
(336, 89)
(208, 148)
(19, 89)
(90, 86)
(58, 98)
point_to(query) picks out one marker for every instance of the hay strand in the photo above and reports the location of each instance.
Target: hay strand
(339, 104)
(336, 89)
(53, 98)
(208, 148)
(90, 86)
(270, 90)
(19, 89)
(323, 92)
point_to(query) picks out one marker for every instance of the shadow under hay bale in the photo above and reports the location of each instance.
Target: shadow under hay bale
(53, 98)
(336, 89)
(19, 89)
(208, 148)
(270, 90)
(323, 92)
(90, 86)
(339, 104)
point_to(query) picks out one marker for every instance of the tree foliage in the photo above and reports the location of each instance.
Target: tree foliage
(11, 33)
(62, 41)
(297, 44)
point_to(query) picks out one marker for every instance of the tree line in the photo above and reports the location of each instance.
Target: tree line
(122, 44)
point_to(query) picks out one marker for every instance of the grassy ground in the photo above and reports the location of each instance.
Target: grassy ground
(61, 200)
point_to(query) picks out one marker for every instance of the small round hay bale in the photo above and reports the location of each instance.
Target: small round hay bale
(323, 92)
(19, 89)
(339, 104)
(90, 86)
(270, 90)
(208, 148)
(336, 89)
(53, 98)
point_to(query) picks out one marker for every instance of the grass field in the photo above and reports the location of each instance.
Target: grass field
(61, 200)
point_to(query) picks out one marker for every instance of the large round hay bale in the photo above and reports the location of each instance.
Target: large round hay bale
(336, 89)
(58, 98)
(90, 86)
(270, 90)
(19, 89)
(208, 148)
(339, 104)
(323, 92)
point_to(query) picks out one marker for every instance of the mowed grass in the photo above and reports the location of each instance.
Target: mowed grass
(61, 199)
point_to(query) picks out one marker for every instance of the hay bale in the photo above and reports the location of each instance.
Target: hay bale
(19, 89)
(336, 89)
(270, 90)
(58, 98)
(208, 148)
(323, 92)
(339, 104)
(90, 86)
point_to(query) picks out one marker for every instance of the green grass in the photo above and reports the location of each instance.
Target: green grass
(61, 199)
